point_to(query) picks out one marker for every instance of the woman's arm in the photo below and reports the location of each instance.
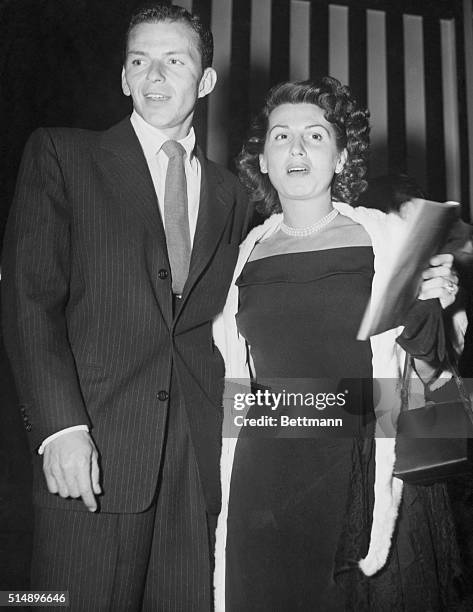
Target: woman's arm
(440, 281)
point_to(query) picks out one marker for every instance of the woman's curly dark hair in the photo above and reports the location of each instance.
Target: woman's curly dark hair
(352, 132)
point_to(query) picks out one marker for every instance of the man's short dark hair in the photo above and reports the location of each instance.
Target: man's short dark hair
(156, 12)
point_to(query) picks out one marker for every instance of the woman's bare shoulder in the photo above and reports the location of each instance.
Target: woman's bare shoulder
(348, 232)
(342, 232)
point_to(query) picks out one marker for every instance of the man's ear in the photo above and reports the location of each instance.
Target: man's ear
(125, 88)
(207, 82)
(262, 164)
(342, 160)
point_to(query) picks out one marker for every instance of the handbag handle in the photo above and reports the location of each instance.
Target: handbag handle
(462, 392)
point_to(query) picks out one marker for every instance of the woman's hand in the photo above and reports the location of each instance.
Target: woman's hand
(440, 280)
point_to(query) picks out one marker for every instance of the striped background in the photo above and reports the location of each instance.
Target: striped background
(406, 60)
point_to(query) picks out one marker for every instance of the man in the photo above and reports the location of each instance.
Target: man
(118, 254)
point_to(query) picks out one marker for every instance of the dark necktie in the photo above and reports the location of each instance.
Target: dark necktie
(176, 218)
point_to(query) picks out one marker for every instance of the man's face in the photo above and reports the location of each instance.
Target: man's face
(163, 75)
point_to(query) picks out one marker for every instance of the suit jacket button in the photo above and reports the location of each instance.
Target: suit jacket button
(163, 274)
(28, 426)
(163, 396)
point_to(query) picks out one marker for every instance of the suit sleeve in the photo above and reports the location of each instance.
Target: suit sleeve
(35, 290)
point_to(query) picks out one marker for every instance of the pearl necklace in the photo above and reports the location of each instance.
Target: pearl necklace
(302, 232)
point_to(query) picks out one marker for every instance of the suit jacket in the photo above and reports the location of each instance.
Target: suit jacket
(87, 308)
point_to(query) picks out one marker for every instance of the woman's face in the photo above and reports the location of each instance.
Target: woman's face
(300, 153)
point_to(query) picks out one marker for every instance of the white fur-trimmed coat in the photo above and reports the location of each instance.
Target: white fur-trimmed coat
(385, 232)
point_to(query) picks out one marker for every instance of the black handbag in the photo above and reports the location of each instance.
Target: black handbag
(433, 442)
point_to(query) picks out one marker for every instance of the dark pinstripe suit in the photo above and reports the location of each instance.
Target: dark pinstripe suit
(88, 318)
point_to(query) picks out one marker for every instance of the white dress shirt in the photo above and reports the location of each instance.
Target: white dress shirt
(151, 140)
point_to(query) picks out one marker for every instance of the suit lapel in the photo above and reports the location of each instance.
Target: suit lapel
(122, 160)
(215, 204)
(125, 165)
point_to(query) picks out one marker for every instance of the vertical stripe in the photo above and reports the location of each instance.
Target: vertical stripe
(280, 26)
(239, 75)
(435, 146)
(450, 111)
(260, 45)
(338, 42)
(202, 8)
(217, 130)
(468, 41)
(396, 94)
(358, 57)
(318, 39)
(377, 90)
(299, 68)
(415, 97)
(462, 110)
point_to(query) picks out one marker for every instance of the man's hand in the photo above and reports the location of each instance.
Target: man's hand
(70, 465)
(440, 281)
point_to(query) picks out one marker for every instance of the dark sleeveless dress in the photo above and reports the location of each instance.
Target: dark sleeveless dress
(300, 504)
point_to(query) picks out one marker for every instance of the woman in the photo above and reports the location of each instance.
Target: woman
(298, 511)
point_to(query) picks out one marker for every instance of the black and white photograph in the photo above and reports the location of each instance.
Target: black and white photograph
(236, 347)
